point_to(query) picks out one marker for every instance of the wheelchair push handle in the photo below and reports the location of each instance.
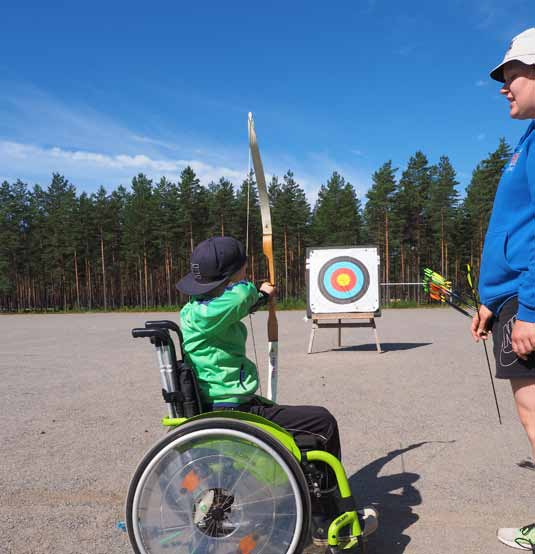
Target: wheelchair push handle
(152, 333)
(165, 324)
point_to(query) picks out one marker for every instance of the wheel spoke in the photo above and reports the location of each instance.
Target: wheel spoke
(240, 488)
(239, 478)
(260, 500)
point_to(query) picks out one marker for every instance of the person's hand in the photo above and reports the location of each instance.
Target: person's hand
(523, 338)
(268, 288)
(481, 323)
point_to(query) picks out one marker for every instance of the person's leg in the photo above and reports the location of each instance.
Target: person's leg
(520, 373)
(313, 420)
(319, 422)
(524, 394)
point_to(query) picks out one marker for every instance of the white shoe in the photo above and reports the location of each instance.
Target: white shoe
(370, 517)
(521, 538)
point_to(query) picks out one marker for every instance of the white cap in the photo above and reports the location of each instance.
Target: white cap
(522, 49)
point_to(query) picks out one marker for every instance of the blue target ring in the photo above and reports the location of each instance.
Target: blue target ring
(344, 280)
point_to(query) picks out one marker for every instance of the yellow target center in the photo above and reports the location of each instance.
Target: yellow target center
(343, 279)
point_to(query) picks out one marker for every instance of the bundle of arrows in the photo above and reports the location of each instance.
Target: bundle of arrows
(440, 289)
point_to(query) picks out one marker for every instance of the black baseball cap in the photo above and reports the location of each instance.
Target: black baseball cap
(213, 261)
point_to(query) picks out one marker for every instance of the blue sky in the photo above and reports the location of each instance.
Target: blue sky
(100, 91)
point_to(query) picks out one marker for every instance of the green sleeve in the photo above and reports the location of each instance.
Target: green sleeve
(222, 311)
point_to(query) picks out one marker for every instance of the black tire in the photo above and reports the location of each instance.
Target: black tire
(219, 506)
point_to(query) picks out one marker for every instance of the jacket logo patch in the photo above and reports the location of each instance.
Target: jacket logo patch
(514, 160)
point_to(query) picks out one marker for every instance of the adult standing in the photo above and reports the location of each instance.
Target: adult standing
(507, 276)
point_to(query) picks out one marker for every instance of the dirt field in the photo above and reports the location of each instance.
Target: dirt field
(81, 404)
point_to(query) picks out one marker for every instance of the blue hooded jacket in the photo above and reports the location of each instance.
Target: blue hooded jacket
(508, 261)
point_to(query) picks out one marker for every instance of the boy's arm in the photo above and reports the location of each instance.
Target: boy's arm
(266, 290)
(232, 306)
(262, 301)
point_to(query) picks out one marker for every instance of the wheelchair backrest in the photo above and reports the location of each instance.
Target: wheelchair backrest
(179, 383)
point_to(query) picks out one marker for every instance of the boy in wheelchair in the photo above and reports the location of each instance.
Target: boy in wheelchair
(214, 342)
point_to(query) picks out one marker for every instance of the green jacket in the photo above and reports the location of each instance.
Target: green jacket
(214, 343)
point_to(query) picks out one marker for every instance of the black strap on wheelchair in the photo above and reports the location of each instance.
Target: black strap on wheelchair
(187, 399)
(307, 442)
(172, 397)
(187, 382)
(346, 504)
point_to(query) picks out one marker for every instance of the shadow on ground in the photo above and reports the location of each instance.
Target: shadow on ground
(394, 496)
(385, 347)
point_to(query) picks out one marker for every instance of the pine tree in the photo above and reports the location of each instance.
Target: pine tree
(249, 226)
(336, 220)
(166, 236)
(14, 228)
(140, 214)
(409, 239)
(193, 209)
(440, 214)
(59, 240)
(221, 208)
(377, 212)
(291, 220)
(480, 197)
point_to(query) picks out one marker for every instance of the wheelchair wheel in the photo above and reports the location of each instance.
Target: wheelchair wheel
(218, 486)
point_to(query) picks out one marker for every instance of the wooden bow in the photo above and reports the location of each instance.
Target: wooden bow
(267, 248)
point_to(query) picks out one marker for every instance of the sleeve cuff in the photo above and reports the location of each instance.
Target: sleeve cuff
(525, 313)
(492, 306)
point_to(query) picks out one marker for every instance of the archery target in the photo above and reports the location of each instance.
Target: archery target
(342, 280)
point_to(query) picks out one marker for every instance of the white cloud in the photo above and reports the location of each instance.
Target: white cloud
(156, 142)
(92, 168)
(41, 134)
(481, 83)
(481, 136)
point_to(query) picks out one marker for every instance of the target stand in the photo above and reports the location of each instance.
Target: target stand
(342, 284)
(327, 321)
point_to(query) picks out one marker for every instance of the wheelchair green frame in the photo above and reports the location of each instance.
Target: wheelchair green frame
(159, 334)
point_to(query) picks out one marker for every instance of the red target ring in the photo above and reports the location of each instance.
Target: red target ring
(343, 279)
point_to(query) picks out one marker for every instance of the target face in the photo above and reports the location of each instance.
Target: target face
(343, 280)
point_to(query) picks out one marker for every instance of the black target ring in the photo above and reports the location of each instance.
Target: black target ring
(344, 280)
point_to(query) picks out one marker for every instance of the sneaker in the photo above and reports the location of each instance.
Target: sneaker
(528, 463)
(368, 519)
(522, 538)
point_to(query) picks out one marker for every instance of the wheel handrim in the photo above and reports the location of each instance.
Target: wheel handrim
(199, 495)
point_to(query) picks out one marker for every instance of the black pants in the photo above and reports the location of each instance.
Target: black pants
(302, 420)
(508, 364)
(322, 425)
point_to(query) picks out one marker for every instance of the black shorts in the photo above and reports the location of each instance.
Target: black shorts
(508, 364)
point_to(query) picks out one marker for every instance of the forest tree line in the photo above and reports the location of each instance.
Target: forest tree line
(60, 250)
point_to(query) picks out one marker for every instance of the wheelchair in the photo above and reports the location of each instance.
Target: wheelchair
(227, 482)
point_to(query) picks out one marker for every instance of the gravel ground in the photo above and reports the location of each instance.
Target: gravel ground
(81, 405)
